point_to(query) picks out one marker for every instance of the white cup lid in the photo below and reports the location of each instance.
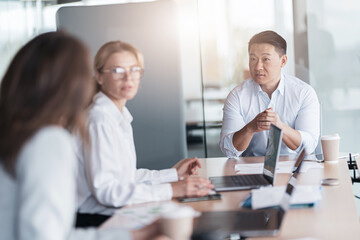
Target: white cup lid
(330, 137)
(181, 212)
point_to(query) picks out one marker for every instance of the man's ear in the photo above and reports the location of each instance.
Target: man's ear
(283, 60)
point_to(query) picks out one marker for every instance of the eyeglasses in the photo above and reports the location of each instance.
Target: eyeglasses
(119, 73)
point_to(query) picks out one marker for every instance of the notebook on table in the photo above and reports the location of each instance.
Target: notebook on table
(250, 181)
(247, 222)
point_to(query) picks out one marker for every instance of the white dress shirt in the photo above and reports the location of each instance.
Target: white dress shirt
(294, 101)
(39, 203)
(108, 176)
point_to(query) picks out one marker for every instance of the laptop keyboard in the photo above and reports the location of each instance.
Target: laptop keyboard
(249, 180)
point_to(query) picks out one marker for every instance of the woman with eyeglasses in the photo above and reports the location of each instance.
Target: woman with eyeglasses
(108, 178)
(43, 96)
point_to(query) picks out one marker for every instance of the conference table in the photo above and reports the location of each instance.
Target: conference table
(333, 217)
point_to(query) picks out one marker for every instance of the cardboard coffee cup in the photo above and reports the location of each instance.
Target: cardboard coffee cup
(330, 147)
(178, 224)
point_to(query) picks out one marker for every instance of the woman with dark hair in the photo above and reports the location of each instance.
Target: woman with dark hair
(42, 98)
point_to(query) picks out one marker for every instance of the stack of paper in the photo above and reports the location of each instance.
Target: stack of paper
(303, 196)
(281, 167)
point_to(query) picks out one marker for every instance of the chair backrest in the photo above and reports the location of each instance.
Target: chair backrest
(158, 108)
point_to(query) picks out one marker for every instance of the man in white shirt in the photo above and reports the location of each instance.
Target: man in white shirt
(269, 97)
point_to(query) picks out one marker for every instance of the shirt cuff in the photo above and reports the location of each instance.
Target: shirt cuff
(229, 148)
(301, 143)
(165, 176)
(308, 142)
(162, 192)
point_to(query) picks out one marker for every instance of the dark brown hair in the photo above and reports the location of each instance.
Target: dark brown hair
(48, 82)
(272, 38)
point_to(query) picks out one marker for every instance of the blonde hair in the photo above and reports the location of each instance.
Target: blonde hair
(114, 47)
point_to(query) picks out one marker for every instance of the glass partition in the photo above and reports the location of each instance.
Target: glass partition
(323, 49)
(334, 65)
(19, 22)
(22, 20)
(225, 27)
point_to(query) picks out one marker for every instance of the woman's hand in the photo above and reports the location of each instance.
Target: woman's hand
(192, 186)
(187, 167)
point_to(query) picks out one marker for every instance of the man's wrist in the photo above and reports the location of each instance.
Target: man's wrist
(282, 126)
(248, 129)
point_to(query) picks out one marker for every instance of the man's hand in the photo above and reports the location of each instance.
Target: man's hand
(264, 119)
(261, 122)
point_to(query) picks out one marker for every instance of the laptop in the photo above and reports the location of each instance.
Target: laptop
(250, 181)
(247, 222)
(299, 158)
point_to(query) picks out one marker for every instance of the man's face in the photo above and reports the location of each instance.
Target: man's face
(265, 64)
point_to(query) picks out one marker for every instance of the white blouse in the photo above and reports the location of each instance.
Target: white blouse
(108, 177)
(40, 202)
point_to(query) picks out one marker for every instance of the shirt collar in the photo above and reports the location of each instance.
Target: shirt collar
(101, 99)
(280, 88)
(281, 85)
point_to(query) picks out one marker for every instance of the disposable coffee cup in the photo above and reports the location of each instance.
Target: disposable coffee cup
(178, 223)
(330, 147)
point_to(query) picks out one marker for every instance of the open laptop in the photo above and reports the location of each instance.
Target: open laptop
(250, 181)
(299, 158)
(247, 222)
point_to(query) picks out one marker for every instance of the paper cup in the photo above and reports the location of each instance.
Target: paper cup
(178, 224)
(330, 147)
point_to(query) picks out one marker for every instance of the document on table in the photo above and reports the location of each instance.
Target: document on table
(281, 167)
(303, 196)
(139, 216)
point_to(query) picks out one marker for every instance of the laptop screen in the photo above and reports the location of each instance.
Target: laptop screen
(299, 159)
(272, 152)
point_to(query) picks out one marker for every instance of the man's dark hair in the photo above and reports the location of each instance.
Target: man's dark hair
(269, 37)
